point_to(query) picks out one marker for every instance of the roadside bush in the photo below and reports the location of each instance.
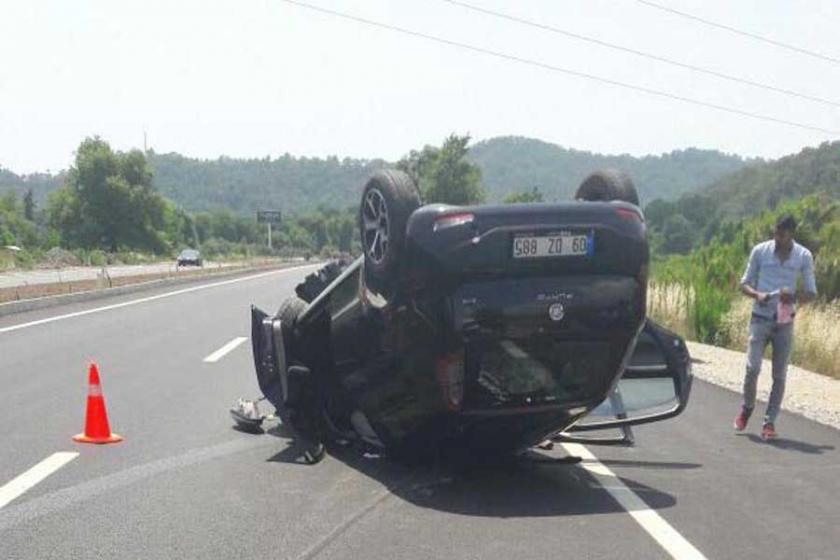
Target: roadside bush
(329, 251)
(95, 257)
(24, 259)
(712, 273)
(7, 261)
(58, 257)
(214, 248)
(816, 339)
(132, 257)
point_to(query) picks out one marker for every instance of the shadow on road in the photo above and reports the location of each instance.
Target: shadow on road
(490, 486)
(791, 444)
(293, 452)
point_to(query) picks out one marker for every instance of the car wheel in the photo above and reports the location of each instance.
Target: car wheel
(388, 199)
(608, 185)
(315, 283)
(290, 309)
(288, 314)
(296, 385)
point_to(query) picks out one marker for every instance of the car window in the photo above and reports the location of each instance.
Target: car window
(534, 370)
(345, 293)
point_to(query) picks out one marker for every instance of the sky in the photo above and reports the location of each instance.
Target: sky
(257, 78)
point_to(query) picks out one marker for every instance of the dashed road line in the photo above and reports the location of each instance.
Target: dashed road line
(660, 530)
(224, 350)
(147, 299)
(21, 483)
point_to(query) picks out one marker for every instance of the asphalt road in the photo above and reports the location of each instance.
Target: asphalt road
(184, 484)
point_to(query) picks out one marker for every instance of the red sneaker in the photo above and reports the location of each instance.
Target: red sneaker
(768, 431)
(742, 419)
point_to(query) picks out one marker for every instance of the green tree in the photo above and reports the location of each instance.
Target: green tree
(418, 164)
(29, 205)
(657, 212)
(15, 229)
(109, 202)
(444, 174)
(678, 234)
(534, 195)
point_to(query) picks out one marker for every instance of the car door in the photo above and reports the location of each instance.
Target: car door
(655, 386)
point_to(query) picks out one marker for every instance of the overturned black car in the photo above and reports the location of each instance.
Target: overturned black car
(479, 328)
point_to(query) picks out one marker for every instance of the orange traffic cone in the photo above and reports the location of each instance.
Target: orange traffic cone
(97, 429)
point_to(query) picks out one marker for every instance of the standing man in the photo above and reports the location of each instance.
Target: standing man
(770, 279)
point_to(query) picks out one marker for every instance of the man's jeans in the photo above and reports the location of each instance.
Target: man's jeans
(763, 331)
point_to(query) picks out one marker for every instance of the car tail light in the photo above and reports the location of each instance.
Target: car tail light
(629, 214)
(450, 375)
(452, 220)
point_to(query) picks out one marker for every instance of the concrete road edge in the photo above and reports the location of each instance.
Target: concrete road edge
(34, 304)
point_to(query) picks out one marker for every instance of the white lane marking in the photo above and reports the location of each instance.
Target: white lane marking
(61, 499)
(668, 538)
(33, 476)
(220, 353)
(147, 299)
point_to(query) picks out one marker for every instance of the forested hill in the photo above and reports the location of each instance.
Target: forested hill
(41, 184)
(298, 184)
(507, 165)
(514, 163)
(245, 185)
(694, 219)
(761, 187)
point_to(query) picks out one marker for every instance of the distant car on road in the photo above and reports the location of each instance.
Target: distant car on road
(190, 257)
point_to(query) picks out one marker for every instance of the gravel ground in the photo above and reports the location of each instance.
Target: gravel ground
(810, 394)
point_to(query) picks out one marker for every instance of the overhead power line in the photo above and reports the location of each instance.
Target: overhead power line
(755, 36)
(644, 54)
(558, 69)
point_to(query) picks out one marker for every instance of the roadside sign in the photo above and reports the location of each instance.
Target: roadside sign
(269, 217)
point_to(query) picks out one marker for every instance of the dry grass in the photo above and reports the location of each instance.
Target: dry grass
(817, 329)
(816, 343)
(668, 305)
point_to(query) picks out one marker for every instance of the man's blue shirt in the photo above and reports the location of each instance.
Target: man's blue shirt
(767, 273)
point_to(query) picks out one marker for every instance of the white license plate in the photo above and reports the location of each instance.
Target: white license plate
(551, 246)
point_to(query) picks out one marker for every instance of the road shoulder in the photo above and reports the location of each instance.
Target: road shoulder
(814, 396)
(141, 285)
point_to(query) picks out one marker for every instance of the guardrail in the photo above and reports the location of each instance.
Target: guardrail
(104, 280)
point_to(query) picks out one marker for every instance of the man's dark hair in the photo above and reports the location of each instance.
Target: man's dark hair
(786, 222)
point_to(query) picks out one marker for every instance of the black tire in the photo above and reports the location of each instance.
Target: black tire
(299, 408)
(290, 309)
(288, 314)
(388, 199)
(315, 283)
(606, 185)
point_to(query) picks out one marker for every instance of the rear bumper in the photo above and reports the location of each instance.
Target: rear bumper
(483, 247)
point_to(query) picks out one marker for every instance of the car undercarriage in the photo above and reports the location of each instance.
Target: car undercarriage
(485, 329)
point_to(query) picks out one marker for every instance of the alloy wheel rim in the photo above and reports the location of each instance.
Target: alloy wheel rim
(375, 222)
